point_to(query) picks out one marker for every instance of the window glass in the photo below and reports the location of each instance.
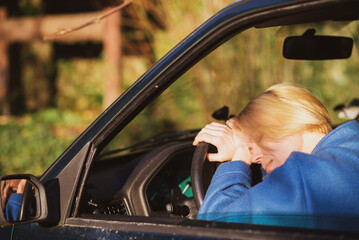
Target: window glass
(230, 76)
(238, 71)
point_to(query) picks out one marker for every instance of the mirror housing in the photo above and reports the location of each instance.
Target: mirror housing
(310, 47)
(23, 200)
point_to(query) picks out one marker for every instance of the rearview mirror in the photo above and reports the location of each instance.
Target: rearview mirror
(23, 199)
(310, 47)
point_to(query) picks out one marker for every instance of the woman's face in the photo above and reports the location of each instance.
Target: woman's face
(275, 154)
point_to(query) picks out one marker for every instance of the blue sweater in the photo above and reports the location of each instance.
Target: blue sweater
(13, 207)
(309, 190)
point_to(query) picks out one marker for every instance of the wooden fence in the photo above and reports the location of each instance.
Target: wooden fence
(107, 31)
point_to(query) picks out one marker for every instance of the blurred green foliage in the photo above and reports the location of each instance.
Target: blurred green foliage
(80, 84)
(32, 142)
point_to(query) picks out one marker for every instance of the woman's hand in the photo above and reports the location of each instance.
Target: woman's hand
(21, 186)
(12, 186)
(231, 143)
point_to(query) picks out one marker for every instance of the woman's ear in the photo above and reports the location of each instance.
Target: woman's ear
(256, 152)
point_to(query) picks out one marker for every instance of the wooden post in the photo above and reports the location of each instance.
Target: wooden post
(112, 54)
(4, 70)
(27, 29)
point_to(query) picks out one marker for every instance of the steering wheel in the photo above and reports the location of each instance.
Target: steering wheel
(198, 160)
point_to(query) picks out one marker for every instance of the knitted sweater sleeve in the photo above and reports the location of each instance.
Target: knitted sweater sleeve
(231, 194)
(230, 182)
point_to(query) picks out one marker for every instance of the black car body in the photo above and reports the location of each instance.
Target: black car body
(75, 209)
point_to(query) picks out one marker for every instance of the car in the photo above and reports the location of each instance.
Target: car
(152, 189)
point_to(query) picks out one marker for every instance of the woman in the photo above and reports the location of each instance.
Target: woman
(11, 196)
(312, 170)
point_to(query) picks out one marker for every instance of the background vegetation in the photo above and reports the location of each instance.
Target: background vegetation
(32, 140)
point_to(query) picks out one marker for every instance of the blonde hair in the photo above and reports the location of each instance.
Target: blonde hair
(283, 110)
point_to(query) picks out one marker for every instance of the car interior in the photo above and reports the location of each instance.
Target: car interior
(152, 177)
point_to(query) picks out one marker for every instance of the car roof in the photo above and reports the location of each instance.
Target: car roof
(338, 10)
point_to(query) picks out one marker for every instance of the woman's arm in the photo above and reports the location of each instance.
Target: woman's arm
(230, 182)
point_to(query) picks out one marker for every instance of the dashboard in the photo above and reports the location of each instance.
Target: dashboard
(154, 183)
(169, 192)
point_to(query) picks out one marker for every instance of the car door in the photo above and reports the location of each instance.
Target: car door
(68, 175)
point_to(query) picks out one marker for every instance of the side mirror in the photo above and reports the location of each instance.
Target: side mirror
(311, 47)
(23, 200)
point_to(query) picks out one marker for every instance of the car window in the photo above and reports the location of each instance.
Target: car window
(232, 75)
(160, 136)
